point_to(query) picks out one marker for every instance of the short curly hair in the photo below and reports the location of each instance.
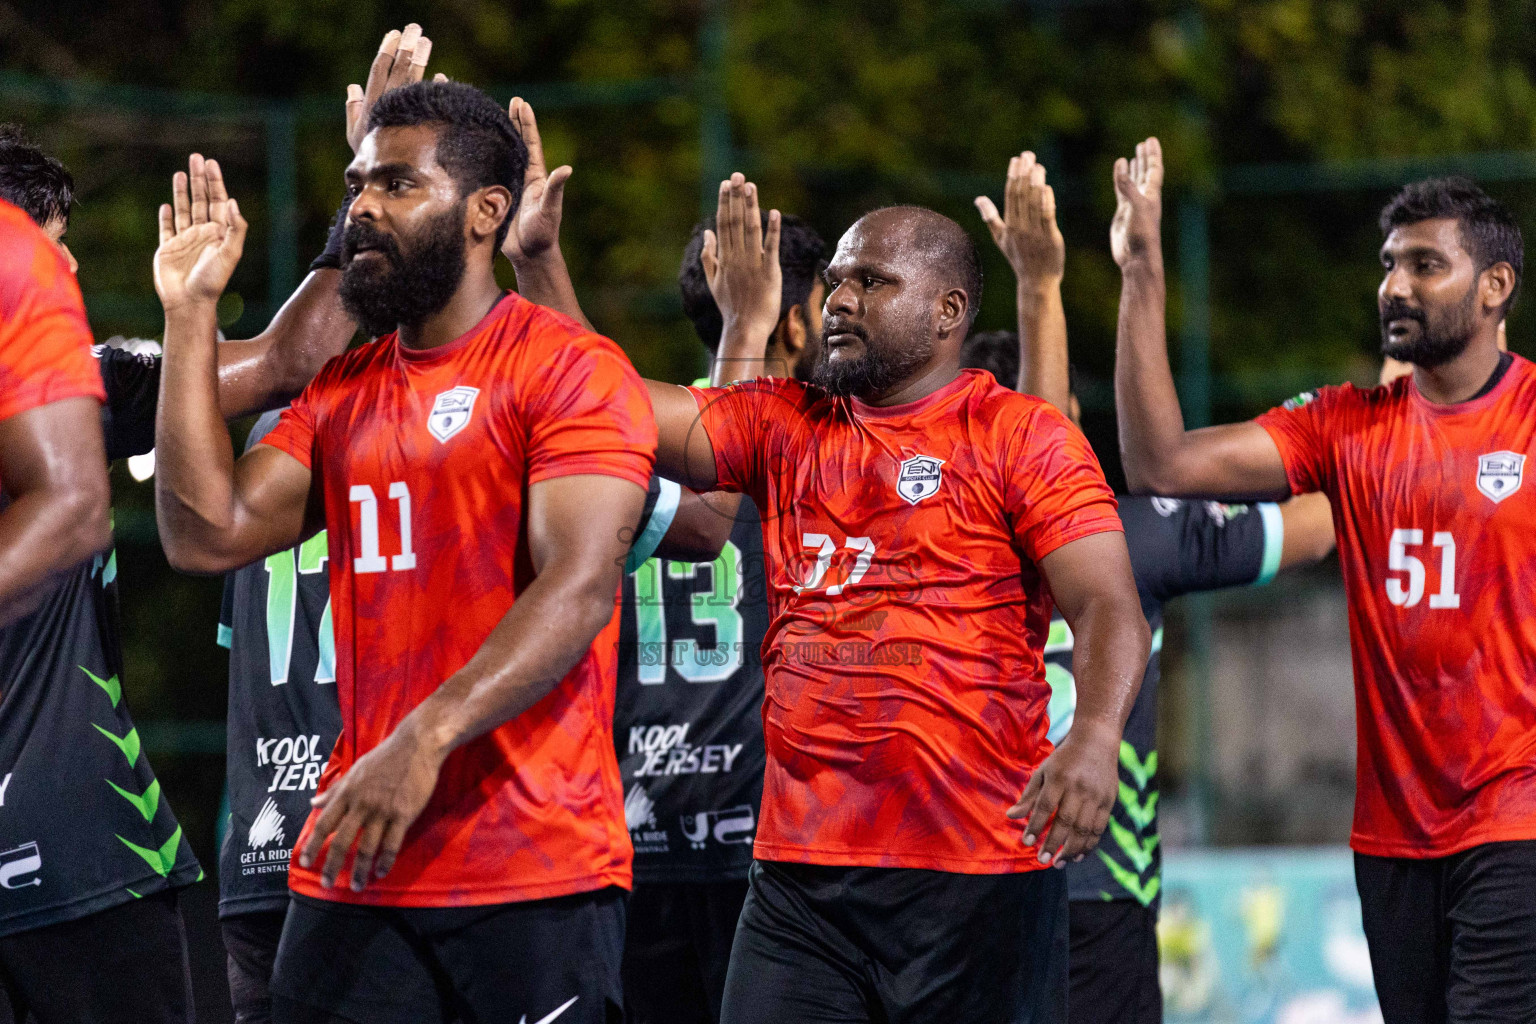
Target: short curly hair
(802, 255)
(33, 180)
(1488, 230)
(477, 143)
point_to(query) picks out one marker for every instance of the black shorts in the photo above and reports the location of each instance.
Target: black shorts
(250, 947)
(1453, 938)
(1114, 964)
(677, 950)
(818, 945)
(540, 962)
(124, 965)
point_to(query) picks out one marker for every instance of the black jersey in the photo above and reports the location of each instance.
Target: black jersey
(283, 715)
(1177, 547)
(688, 717)
(83, 823)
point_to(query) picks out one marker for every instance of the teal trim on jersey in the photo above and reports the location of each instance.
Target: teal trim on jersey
(660, 522)
(1274, 541)
(226, 638)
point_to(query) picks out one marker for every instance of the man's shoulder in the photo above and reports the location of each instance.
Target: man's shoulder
(347, 367)
(547, 336)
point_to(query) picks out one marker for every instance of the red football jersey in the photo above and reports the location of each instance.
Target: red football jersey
(906, 694)
(45, 341)
(424, 458)
(1435, 536)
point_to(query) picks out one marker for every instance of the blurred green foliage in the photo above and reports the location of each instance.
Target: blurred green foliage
(833, 107)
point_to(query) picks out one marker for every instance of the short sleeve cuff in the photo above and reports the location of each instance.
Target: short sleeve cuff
(629, 466)
(1274, 541)
(1287, 450)
(284, 442)
(55, 390)
(1099, 517)
(668, 498)
(704, 398)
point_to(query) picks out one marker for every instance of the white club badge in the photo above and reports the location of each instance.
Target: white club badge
(1499, 474)
(450, 413)
(920, 478)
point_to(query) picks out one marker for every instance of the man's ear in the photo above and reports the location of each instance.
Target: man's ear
(487, 208)
(1496, 284)
(791, 333)
(953, 306)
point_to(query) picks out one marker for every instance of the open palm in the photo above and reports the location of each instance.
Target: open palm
(202, 236)
(535, 227)
(1139, 209)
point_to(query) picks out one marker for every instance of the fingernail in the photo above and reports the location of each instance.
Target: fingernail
(1045, 858)
(1059, 865)
(1029, 840)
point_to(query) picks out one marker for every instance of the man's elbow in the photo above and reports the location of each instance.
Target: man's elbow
(83, 511)
(188, 554)
(1154, 475)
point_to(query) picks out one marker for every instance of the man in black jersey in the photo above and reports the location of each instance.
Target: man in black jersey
(89, 929)
(1177, 547)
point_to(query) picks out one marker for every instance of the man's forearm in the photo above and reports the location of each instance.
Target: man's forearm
(1151, 422)
(545, 633)
(1043, 360)
(547, 281)
(194, 477)
(1108, 661)
(269, 370)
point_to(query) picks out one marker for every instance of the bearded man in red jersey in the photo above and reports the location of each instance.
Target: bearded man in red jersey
(918, 520)
(478, 468)
(1426, 479)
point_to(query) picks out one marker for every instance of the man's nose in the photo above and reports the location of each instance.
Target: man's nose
(1395, 285)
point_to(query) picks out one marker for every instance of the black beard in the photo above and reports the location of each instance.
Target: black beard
(410, 288)
(1439, 341)
(875, 372)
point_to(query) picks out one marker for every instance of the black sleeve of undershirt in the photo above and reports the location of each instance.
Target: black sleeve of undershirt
(1181, 547)
(132, 383)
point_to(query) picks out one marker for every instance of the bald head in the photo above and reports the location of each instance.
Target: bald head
(903, 287)
(951, 256)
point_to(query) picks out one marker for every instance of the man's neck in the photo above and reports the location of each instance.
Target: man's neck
(1462, 377)
(925, 383)
(476, 294)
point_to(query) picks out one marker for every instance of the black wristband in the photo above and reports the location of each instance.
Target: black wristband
(330, 257)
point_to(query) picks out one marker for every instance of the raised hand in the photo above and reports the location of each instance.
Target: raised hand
(741, 262)
(1026, 231)
(536, 225)
(401, 60)
(1135, 233)
(202, 236)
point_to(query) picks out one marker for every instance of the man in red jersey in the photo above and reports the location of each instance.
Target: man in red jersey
(477, 471)
(1426, 476)
(917, 521)
(52, 460)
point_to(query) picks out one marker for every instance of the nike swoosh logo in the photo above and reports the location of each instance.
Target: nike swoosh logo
(558, 1011)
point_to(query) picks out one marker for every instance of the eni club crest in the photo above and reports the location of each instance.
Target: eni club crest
(919, 478)
(450, 413)
(1499, 474)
